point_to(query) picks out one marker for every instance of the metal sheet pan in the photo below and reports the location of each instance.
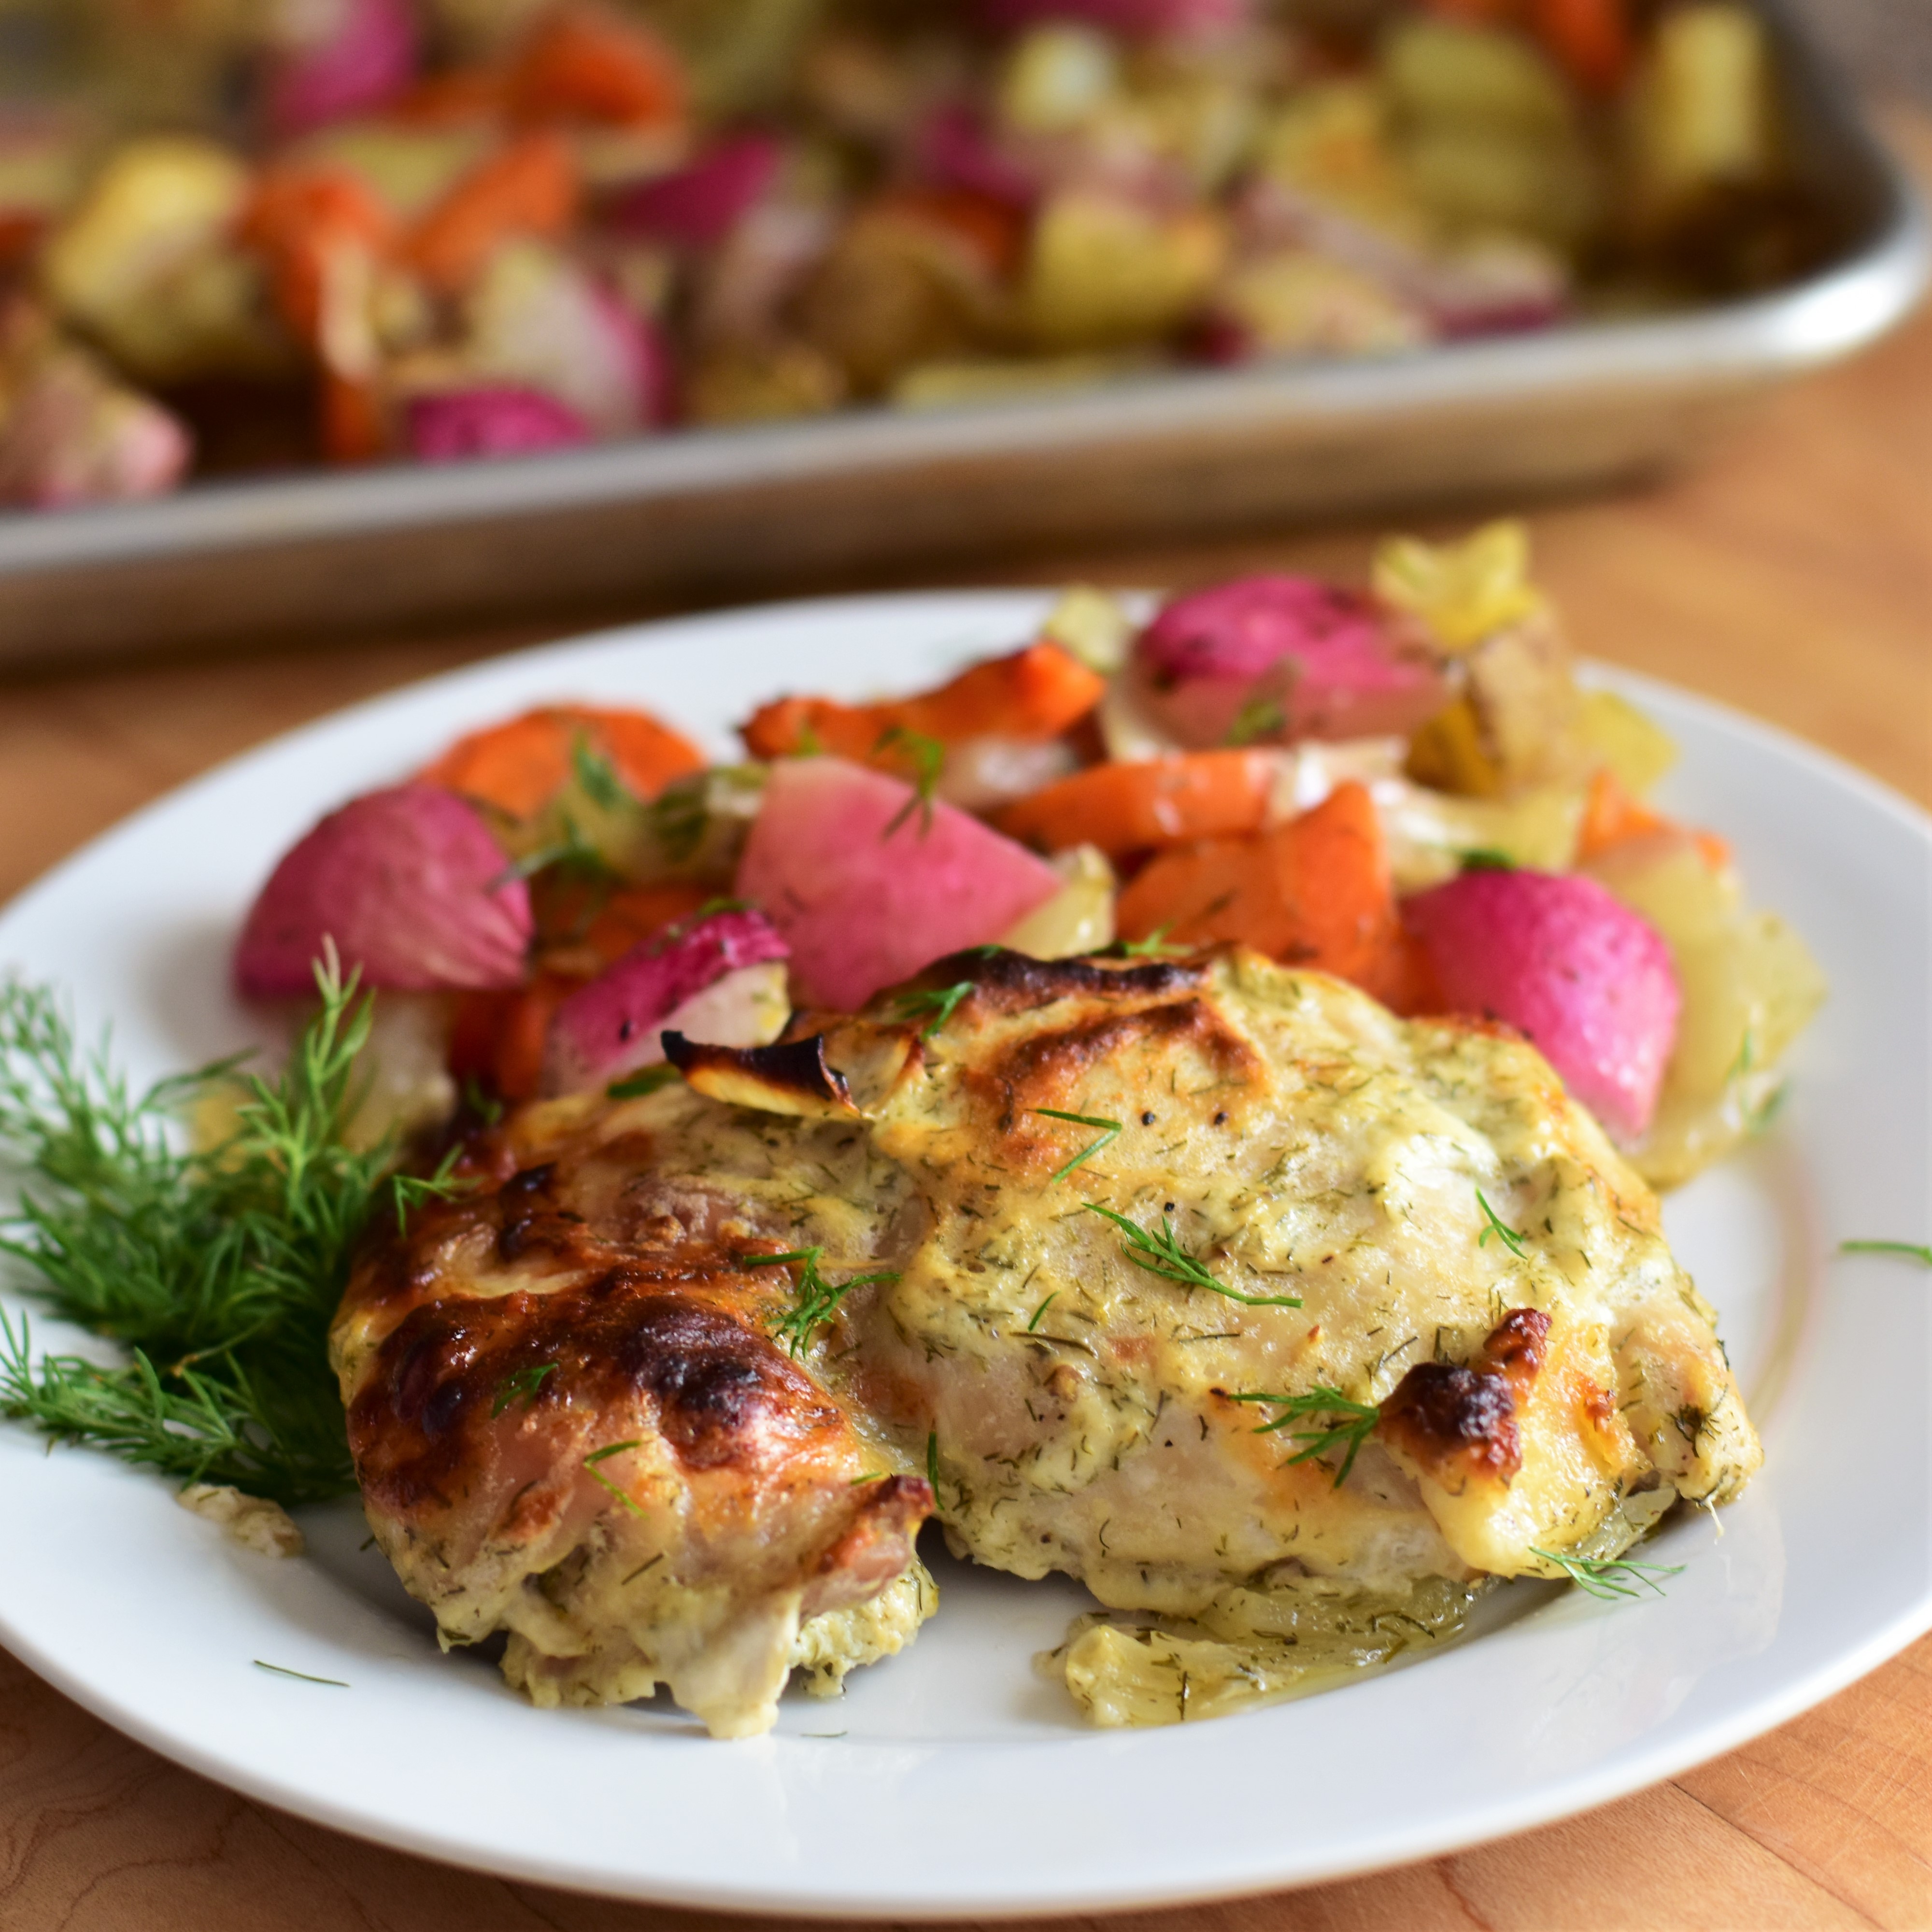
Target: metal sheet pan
(733, 511)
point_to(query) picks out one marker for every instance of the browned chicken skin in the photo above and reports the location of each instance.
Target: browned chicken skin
(573, 1418)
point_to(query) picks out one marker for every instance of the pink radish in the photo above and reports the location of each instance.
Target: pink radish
(868, 883)
(716, 982)
(497, 419)
(1574, 970)
(410, 886)
(370, 57)
(1280, 658)
(700, 205)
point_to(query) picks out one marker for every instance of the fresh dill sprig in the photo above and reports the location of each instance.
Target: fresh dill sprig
(283, 1670)
(1355, 1423)
(603, 1482)
(649, 1080)
(1041, 1310)
(574, 856)
(1510, 1238)
(1112, 1133)
(932, 1462)
(597, 777)
(928, 757)
(1259, 717)
(1162, 1254)
(1484, 858)
(816, 1298)
(219, 1269)
(1607, 1578)
(1153, 947)
(939, 1001)
(521, 1385)
(1911, 1250)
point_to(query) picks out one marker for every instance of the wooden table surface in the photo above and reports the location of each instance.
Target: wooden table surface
(1791, 575)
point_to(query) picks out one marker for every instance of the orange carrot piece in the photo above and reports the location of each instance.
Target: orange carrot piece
(298, 219)
(994, 231)
(450, 99)
(1036, 693)
(518, 766)
(1126, 807)
(1612, 817)
(1591, 39)
(1315, 892)
(638, 912)
(648, 755)
(581, 64)
(530, 187)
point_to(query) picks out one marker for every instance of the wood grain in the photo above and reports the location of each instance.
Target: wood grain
(1791, 575)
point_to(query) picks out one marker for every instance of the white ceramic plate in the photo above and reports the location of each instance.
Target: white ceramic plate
(951, 1781)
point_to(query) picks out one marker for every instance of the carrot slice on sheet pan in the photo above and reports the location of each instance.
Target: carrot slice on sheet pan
(1036, 693)
(1128, 807)
(581, 64)
(530, 187)
(1315, 892)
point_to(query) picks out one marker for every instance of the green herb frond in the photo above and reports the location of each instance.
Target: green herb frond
(1608, 1578)
(816, 1299)
(1510, 1238)
(1161, 1253)
(1911, 1250)
(1111, 1134)
(939, 1001)
(648, 1080)
(927, 757)
(219, 1269)
(1351, 1424)
(521, 1385)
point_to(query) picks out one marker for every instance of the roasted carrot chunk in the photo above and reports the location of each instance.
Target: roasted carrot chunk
(1036, 693)
(1611, 816)
(528, 187)
(1314, 892)
(1591, 39)
(301, 219)
(518, 767)
(581, 64)
(1124, 808)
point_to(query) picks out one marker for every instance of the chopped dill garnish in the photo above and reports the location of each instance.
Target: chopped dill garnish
(939, 1001)
(927, 757)
(1113, 1129)
(1510, 1238)
(1041, 1310)
(573, 855)
(1484, 858)
(817, 1298)
(485, 1106)
(1608, 1578)
(1257, 719)
(597, 777)
(1911, 1250)
(872, 1476)
(522, 1386)
(218, 1269)
(932, 1462)
(1162, 1254)
(283, 1670)
(648, 1080)
(605, 1482)
(1152, 947)
(1355, 1423)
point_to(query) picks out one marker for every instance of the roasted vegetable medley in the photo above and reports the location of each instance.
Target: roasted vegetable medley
(240, 235)
(1403, 785)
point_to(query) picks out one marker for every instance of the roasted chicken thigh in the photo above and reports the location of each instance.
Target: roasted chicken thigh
(1205, 1282)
